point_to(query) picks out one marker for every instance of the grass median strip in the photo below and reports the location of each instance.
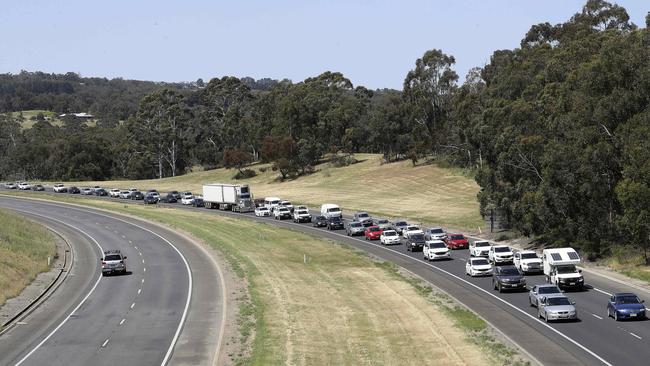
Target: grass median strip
(24, 249)
(315, 302)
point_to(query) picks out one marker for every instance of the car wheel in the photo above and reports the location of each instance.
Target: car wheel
(545, 317)
(494, 285)
(530, 302)
(616, 315)
(609, 315)
(499, 287)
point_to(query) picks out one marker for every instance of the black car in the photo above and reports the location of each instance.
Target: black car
(168, 198)
(74, 190)
(150, 199)
(101, 192)
(415, 242)
(137, 195)
(176, 194)
(334, 223)
(320, 221)
(508, 278)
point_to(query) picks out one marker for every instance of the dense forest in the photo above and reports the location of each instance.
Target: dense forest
(556, 130)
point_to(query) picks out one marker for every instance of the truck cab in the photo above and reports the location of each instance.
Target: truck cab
(331, 210)
(560, 268)
(271, 203)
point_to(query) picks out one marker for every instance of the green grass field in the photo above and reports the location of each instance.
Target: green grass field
(337, 307)
(424, 194)
(29, 118)
(24, 248)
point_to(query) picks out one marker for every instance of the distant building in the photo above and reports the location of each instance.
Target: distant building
(78, 115)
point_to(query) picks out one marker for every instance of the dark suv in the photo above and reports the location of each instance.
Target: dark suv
(507, 278)
(415, 242)
(334, 223)
(320, 221)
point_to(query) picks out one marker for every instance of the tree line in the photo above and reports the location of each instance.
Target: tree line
(555, 130)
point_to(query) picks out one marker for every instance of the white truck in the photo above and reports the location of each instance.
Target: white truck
(228, 197)
(301, 214)
(560, 268)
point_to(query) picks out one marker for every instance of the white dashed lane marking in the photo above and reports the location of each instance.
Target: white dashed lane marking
(132, 305)
(122, 321)
(596, 316)
(105, 343)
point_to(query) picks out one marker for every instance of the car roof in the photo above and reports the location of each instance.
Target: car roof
(555, 296)
(527, 251)
(507, 267)
(624, 294)
(546, 285)
(500, 246)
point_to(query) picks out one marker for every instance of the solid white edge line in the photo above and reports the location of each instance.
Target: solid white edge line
(65, 320)
(601, 291)
(576, 343)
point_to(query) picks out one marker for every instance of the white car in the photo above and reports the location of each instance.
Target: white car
(24, 186)
(187, 198)
(479, 248)
(410, 229)
(287, 204)
(389, 237)
(527, 261)
(59, 188)
(435, 249)
(500, 254)
(262, 211)
(478, 267)
(435, 233)
(115, 193)
(125, 194)
(281, 213)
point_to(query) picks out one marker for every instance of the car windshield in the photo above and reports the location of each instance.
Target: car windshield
(320, 217)
(417, 237)
(558, 301)
(374, 229)
(363, 215)
(501, 249)
(549, 290)
(262, 209)
(302, 212)
(411, 228)
(336, 219)
(457, 237)
(437, 231)
(481, 244)
(286, 203)
(401, 223)
(438, 245)
(390, 233)
(480, 262)
(113, 257)
(335, 209)
(509, 272)
(529, 256)
(355, 224)
(283, 209)
(628, 299)
(566, 269)
(382, 221)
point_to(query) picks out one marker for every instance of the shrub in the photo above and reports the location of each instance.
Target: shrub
(244, 174)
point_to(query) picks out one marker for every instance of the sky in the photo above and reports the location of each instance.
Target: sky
(373, 43)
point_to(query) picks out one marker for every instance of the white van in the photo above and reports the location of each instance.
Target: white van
(271, 203)
(331, 210)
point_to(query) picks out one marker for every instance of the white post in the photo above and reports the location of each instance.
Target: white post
(479, 230)
(48, 260)
(304, 258)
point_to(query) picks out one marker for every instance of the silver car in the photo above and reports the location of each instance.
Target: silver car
(435, 233)
(355, 228)
(538, 292)
(556, 307)
(113, 262)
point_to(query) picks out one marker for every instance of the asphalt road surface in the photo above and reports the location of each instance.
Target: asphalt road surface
(593, 340)
(157, 313)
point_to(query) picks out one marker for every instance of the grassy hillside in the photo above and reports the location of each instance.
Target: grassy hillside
(29, 117)
(24, 248)
(425, 194)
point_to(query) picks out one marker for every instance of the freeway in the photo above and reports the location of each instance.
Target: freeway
(154, 315)
(594, 339)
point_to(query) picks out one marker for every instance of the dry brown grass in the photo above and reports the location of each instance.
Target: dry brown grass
(425, 194)
(24, 248)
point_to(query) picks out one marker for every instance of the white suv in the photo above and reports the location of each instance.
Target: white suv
(500, 254)
(479, 248)
(115, 193)
(527, 261)
(59, 188)
(411, 229)
(435, 249)
(113, 262)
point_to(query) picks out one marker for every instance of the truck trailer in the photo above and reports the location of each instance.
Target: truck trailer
(229, 197)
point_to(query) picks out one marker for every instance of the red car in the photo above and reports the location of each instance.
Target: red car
(456, 241)
(373, 233)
